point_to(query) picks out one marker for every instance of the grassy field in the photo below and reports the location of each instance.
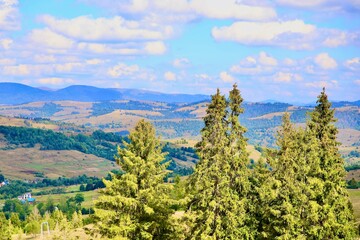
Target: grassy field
(355, 200)
(89, 197)
(22, 163)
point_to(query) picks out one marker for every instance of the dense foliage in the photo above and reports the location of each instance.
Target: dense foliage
(136, 205)
(295, 191)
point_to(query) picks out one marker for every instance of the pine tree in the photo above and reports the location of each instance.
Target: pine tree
(259, 199)
(285, 191)
(136, 205)
(217, 209)
(335, 219)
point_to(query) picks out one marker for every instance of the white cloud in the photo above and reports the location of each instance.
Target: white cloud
(122, 69)
(254, 65)
(353, 64)
(155, 48)
(336, 40)
(45, 69)
(42, 58)
(6, 43)
(84, 28)
(18, 70)
(231, 9)
(324, 61)
(55, 81)
(203, 76)
(268, 33)
(9, 15)
(294, 34)
(266, 60)
(170, 76)
(321, 84)
(289, 62)
(286, 77)
(7, 61)
(226, 77)
(187, 10)
(303, 3)
(94, 61)
(323, 5)
(114, 49)
(47, 38)
(181, 62)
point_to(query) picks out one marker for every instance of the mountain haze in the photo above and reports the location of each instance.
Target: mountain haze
(15, 93)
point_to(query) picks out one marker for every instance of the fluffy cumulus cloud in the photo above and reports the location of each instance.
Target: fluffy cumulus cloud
(353, 64)
(170, 76)
(321, 84)
(324, 61)
(84, 28)
(55, 81)
(266, 60)
(155, 48)
(258, 33)
(323, 5)
(9, 15)
(123, 69)
(181, 62)
(263, 63)
(49, 39)
(44, 68)
(291, 34)
(6, 43)
(284, 77)
(226, 77)
(187, 10)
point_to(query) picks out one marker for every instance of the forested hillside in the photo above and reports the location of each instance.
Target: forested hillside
(99, 143)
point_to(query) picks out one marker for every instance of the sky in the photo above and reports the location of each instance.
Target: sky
(285, 50)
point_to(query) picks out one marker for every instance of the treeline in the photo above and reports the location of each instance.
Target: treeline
(17, 187)
(50, 140)
(297, 191)
(99, 143)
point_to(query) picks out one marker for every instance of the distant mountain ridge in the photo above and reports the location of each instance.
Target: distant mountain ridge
(15, 93)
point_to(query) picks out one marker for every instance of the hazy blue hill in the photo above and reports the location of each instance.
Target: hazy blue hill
(346, 103)
(85, 94)
(15, 93)
(143, 95)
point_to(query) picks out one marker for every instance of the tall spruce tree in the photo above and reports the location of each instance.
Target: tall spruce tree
(136, 205)
(335, 219)
(217, 206)
(284, 195)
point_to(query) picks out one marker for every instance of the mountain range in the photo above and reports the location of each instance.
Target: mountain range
(15, 93)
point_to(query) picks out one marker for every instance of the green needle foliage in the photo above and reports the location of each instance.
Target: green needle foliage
(218, 205)
(335, 219)
(284, 193)
(136, 205)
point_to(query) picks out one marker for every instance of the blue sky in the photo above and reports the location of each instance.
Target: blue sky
(285, 50)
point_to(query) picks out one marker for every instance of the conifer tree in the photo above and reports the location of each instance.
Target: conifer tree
(285, 190)
(136, 205)
(217, 207)
(259, 199)
(334, 218)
